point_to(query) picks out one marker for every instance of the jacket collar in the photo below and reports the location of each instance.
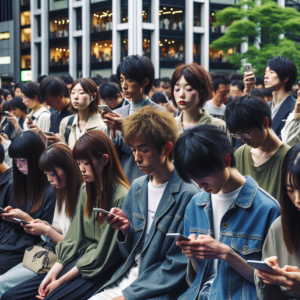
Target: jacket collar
(93, 121)
(244, 199)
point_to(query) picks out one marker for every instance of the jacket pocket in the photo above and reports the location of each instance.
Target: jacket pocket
(248, 248)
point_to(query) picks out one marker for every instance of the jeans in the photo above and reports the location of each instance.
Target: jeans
(13, 277)
(204, 294)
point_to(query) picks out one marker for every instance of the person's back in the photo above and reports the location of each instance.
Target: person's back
(261, 157)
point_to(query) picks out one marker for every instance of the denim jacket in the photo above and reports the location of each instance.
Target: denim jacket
(162, 267)
(243, 227)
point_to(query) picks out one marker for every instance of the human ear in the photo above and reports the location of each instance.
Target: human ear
(266, 123)
(146, 82)
(167, 148)
(227, 160)
(105, 159)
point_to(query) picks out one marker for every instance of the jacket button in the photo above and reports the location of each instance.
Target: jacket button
(245, 248)
(225, 225)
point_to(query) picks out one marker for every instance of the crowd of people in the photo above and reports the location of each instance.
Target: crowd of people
(151, 189)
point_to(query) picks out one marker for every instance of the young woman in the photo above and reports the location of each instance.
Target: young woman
(63, 174)
(39, 114)
(89, 253)
(281, 249)
(7, 96)
(18, 112)
(191, 88)
(85, 100)
(34, 198)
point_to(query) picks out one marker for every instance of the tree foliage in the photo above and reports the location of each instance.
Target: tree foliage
(269, 29)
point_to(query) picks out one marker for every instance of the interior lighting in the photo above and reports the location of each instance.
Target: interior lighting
(167, 12)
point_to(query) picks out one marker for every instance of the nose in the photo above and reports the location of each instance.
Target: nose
(297, 197)
(138, 157)
(124, 86)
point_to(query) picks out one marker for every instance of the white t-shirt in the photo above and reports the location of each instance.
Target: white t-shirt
(61, 219)
(220, 204)
(41, 119)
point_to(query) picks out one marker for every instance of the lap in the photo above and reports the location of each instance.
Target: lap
(9, 260)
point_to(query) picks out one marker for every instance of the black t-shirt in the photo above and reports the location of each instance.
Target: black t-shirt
(57, 117)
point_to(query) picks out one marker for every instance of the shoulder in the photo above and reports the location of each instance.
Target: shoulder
(65, 121)
(266, 200)
(120, 192)
(178, 119)
(284, 148)
(218, 122)
(241, 151)
(50, 192)
(276, 226)
(190, 209)
(189, 188)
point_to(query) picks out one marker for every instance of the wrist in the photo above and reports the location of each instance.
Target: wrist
(47, 230)
(228, 254)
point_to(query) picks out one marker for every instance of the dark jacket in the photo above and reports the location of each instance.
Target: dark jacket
(15, 239)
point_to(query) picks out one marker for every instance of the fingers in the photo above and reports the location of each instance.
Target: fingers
(272, 261)
(288, 268)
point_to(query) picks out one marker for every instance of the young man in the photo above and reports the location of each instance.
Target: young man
(236, 88)
(136, 76)
(221, 88)
(18, 91)
(226, 223)
(154, 266)
(68, 80)
(280, 75)
(262, 155)
(164, 85)
(110, 95)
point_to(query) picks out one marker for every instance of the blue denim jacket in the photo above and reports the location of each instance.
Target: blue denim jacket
(243, 227)
(162, 267)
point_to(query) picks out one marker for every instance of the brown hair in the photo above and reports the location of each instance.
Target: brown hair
(197, 77)
(151, 123)
(90, 87)
(94, 144)
(60, 156)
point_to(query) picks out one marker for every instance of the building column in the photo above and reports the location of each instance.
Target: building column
(86, 39)
(45, 56)
(189, 33)
(155, 37)
(205, 35)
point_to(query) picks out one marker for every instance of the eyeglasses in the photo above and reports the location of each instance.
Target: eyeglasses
(106, 101)
(247, 136)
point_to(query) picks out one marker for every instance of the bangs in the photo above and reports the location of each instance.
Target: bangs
(45, 163)
(17, 149)
(80, 150)
(293, 178)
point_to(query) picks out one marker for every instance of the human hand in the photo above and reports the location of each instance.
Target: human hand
(49, 289)
(119, 298)
(12, 119)
(170, 107)
(249, 84)
(120, 222)
(36, 227)
(3, 137)
(113, 121)
(56, 138)
(15, 213)
(44, 284)
(33, 127)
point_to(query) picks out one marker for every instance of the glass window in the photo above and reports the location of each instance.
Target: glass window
(171, 49)
(59, 56)
(25, 37)
(58, 4)
(146, 13)
(146, 47)
(38, 4)
(197, 20)
(79, 57)
(124, 11)
(124, 47)
(101, 51)
(25, 62)
(171, 18)
(105, 73)
(59, 27)
(213, 28)
(25, 2)
(38, 19)
(101, 20)
(78, 18)
(25, 18)
(219, 55)
(197, 50)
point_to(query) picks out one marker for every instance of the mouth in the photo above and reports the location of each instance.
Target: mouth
(142, 167)
(182, 102)
(75, 104)
(208, 191)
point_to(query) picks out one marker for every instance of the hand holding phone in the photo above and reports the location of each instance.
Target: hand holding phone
(29, 118)
(104, 212)
(249, 70)
(178, 236)
(48, 133)
(261, 266)
(7, 113)
(2, 210)
(20, 221)
(106, 108)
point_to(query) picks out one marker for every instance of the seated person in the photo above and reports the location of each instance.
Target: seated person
(154, 267)
(262, 154)
(226, 223)
(282, 244)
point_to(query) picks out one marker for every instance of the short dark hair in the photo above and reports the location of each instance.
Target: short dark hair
(67, 78)
(19, 85)
(197, 155)
(284, 68)
(246, 112)
(109, 90)
(137, 68)
(239, 84)
(217, 79)
(235, 76)
(17, 102)
(30, 90)
(98, 80)
(159, 97)
(2, 154)
(54, 86)
(267, 93)
(259, 80)
(164, 79)
(6, 106)
(6, 93)
(41, 78)
(257, 93)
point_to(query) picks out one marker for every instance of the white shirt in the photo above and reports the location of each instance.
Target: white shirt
(220, 204)
(41, 119)
(61, 219)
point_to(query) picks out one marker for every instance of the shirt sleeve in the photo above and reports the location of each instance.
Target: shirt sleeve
(291, 131)
(43, 121)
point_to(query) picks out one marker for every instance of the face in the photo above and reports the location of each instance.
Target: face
(235, 91)
(256, 139)
(18, 93)
(29, 103)
(146, 155)
(16, 112)
(22, 165)
(222, 93)
(58, 181)
(260, 87)
(79, 98)
(111, 103)
(293, 194)
(271, 80)
(69, 87)
(9, 97)
(165, 88)
(56, 103)
(185, 95)
(86, 170)
(130, 87)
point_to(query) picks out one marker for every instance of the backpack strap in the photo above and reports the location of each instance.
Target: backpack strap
(68, 129)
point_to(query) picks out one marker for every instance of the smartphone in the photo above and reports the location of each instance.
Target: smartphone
(179, 236)
(28, 117)
(105, 107)
(2, 210)
(21, 221)
(6, 113)
(261, 266)
(249, 69)
(48, 133)
(104, 211)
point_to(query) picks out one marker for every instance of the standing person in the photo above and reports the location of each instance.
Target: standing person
(7, 96)
(154, 267)
(164, 85)
(34, 198)
(236, 88)
(226, 223)
(18, 91)
(282, 244)
(63, 174)
(191, 88)
(68, 80)
(221, 89)
(85, 100)
(39, 114)
(136, 76)
(262, 154)
(89, 254)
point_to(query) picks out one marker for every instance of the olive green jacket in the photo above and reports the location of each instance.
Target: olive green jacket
(97, 246)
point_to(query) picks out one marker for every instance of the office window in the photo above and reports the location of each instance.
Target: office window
(25, 37)
(25, 18)
(124, 47)
(25, 2)
(101, 20)
(57, 4)
(171, 49)
(59, 27)
(197, 49)
(6, 11)
(101, 51)
(59, 56)
(38, 21)
(124, 11)
(78, 18)
(79, 57)
(171, 18)
(147, 46)
(146, 14)
(213, 27)
(25, 62)
(219, 55)
(197, 14)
